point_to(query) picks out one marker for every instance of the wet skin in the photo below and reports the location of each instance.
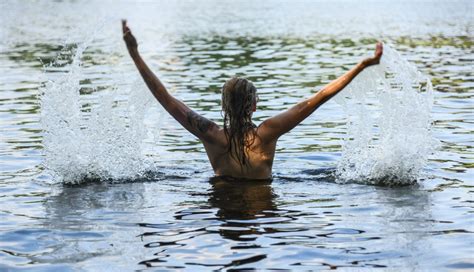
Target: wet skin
(262, 151)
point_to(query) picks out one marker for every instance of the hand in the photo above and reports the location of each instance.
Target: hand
(129, 39)
(376, 58)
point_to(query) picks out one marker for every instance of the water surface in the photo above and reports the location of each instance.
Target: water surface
(183, 219)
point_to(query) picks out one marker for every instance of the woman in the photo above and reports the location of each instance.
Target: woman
(239, 148)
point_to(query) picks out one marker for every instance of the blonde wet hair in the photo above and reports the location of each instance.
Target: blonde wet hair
(239, 97)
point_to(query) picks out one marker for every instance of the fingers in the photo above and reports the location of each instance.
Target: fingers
(124, 25)
(125, 28)
(379, 49)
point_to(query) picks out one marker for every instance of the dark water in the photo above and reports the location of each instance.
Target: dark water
(183, 219)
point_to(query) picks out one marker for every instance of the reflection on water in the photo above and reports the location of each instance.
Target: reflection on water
(242, 205)
(252, 220)
(180, 219)
(195, 224)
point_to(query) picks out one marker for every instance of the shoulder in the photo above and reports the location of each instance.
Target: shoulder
(215, 136)
(264, 133)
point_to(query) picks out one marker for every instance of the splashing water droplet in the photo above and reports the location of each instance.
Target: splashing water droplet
(102, 144)
(389, 135)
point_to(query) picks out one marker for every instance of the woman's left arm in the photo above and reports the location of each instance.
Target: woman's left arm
(280, 124)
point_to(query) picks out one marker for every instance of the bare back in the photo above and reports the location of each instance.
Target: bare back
(260, 157)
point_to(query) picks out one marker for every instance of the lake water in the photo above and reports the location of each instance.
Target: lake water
(180, 218)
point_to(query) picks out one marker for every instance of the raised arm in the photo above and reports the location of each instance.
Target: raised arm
(201, 127)
(280, 124)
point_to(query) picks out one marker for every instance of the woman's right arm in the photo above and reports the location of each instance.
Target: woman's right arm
(272, 128)
(201, 127)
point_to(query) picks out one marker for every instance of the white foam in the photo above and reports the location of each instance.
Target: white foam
(104, 143)
(389, 135)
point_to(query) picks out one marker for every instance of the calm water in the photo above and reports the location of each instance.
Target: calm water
(182, 219)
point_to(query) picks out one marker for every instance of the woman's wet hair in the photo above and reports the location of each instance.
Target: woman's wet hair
(239, 96)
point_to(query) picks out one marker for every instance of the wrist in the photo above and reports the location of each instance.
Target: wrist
(364, 64)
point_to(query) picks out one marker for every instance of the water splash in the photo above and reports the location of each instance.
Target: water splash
(389, 135)
(103, 142)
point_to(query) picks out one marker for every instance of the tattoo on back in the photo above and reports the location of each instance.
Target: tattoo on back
(199, 122)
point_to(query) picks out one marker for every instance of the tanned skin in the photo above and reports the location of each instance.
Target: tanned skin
(262, 151)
